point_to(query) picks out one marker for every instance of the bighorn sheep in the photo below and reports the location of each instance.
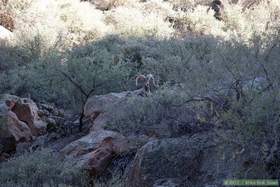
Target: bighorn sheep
(218, 7)
(148, 81)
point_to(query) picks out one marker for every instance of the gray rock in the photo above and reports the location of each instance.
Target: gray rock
(197, 160)
(95, 151)
(90, 142)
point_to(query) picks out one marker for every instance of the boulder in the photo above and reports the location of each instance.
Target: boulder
(92, 141)
(19, 122)
(97, 161)
(96, 150)
(203, 159)
(97, 107)
(11, 126)
(27, 111)
(12, 130)
(100, 103)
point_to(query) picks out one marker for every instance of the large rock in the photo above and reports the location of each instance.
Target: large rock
(97, 107)
(203, 159)
(19, 122)
(91, 141)
(11, 126)
(12, 130)
(96, 162)
(96, 150)
(27, 111)
(100, 104)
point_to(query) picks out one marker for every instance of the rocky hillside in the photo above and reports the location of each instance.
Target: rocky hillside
(134, 93)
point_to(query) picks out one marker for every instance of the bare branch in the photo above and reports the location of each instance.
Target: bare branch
(77, 85)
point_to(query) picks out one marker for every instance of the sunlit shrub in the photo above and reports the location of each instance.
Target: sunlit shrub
(135, 22)
(72, 22)
(63, 22)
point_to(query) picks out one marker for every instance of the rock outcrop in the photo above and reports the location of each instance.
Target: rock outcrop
(199, 160)
(19, 122)
(96, 109)
(12, 131)
(27, 111)
(90, 142)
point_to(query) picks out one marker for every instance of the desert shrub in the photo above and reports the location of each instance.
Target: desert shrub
(114, 62)
(95, 72)
(30, 71)
(116, 180)
(16, 6)
(83, 71)
(56, 21)
(254, 122)
(110, 4)
(134, 22)
(81, 27)
(9, 58)
(67, 24)
(139, 114)
(239, 23)
(46, 168)
(39, 168)
(228, 72)
(186, 5)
